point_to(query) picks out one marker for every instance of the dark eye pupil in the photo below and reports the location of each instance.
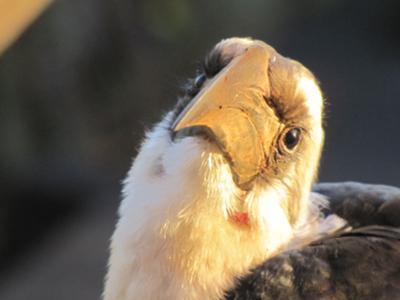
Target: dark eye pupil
(292, 137)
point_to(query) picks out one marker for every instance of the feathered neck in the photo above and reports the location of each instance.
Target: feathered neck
(175, 238)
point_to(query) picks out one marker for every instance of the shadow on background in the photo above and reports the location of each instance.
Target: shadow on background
(81, 85)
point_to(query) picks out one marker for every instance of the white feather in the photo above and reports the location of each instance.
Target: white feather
(174, 238)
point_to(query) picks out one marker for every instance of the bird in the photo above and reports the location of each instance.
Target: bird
(221, 201)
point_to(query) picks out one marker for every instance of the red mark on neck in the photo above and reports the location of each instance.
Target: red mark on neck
(241, 218)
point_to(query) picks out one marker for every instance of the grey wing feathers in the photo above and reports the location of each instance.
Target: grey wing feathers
(362, 204)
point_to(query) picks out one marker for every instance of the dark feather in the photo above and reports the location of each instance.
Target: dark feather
(363, 263)
(363, 204)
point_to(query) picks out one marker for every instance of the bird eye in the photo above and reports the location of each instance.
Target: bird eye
(291, 138)
(199, 80)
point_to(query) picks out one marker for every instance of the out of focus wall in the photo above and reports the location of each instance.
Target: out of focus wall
(80, 86)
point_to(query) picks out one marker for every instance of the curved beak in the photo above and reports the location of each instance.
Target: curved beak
(232, 110)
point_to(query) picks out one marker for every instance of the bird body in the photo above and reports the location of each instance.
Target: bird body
(223, 183)
(359, 263)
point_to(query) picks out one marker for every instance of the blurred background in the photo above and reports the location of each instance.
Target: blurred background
(79, 87)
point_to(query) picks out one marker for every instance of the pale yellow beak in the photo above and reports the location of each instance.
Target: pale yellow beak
(232, 110)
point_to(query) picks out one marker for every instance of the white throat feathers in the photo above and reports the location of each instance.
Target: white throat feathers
(186, 231)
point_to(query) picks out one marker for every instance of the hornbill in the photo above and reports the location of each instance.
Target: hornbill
(219, 204)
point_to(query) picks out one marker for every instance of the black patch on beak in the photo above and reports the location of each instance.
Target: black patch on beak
(212, 64)
(199, 131)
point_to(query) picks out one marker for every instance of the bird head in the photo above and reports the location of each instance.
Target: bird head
(223, 181)
(264, 113)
